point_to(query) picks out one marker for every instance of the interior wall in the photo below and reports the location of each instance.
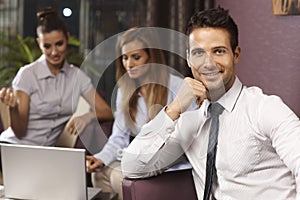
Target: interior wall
(270, 45)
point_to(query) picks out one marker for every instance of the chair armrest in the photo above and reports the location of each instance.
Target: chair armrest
(167, 186)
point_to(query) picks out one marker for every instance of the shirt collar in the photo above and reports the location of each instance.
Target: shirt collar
(205, 105)
(229, 99)
(44, 71)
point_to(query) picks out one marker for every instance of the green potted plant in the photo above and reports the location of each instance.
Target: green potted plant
(17, 52)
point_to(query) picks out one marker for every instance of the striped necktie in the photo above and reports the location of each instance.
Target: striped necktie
(215, 109)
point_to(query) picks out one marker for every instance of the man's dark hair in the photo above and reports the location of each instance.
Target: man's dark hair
(215, 18)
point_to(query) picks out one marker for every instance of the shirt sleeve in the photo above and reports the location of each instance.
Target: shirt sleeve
(119, 139)
(23, 81)
(153, 150)
(84, 81)
(282, 126)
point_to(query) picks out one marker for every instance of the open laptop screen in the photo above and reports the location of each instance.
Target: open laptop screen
(36, 172)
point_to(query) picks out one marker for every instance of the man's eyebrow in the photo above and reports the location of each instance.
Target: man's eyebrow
(196, 49)
(220, 47)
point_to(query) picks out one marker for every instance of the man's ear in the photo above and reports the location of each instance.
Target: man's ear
(188, 58)
(237, 54)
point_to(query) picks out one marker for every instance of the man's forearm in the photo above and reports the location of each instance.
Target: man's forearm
(153, 150)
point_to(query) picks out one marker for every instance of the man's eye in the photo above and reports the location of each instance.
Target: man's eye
(197, 52)
(220, 51)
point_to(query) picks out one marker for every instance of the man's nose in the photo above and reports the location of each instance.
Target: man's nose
(208, 62)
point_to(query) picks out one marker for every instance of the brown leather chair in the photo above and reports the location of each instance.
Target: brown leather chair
(175, 185)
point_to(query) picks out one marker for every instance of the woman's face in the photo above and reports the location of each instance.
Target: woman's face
(134, 58)
(54, 46)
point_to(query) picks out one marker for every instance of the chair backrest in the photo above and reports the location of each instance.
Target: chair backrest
(66, 139)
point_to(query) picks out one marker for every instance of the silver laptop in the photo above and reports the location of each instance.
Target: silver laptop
(45, 173)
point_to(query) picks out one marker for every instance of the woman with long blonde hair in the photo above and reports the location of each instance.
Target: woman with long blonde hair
(150, 80)
(145, 87)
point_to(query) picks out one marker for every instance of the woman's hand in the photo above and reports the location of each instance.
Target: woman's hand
(18, 103)
(8, 97)
(77, 124)
(93, 164)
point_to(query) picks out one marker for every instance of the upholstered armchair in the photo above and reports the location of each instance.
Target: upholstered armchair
(173, 185)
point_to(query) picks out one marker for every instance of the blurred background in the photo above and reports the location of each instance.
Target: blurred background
(90, 22)
(270, 43)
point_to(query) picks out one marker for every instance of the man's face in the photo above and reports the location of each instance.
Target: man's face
(211, 58)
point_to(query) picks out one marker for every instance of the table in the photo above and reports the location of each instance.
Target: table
(100, 196)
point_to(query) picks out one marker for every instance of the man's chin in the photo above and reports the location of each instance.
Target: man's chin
(216, 91)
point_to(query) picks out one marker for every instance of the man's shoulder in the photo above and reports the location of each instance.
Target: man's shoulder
(258, 94)
(256, 101)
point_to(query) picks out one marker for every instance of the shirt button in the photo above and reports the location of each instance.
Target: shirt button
(169, 130)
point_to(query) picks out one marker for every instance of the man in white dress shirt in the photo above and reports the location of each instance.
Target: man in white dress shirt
(258, 153)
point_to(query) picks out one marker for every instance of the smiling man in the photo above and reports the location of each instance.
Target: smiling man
(248, 150)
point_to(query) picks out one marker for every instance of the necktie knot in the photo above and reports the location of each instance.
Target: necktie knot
(215, 109)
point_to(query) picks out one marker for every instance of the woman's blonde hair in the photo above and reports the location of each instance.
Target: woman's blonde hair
(157, 91)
